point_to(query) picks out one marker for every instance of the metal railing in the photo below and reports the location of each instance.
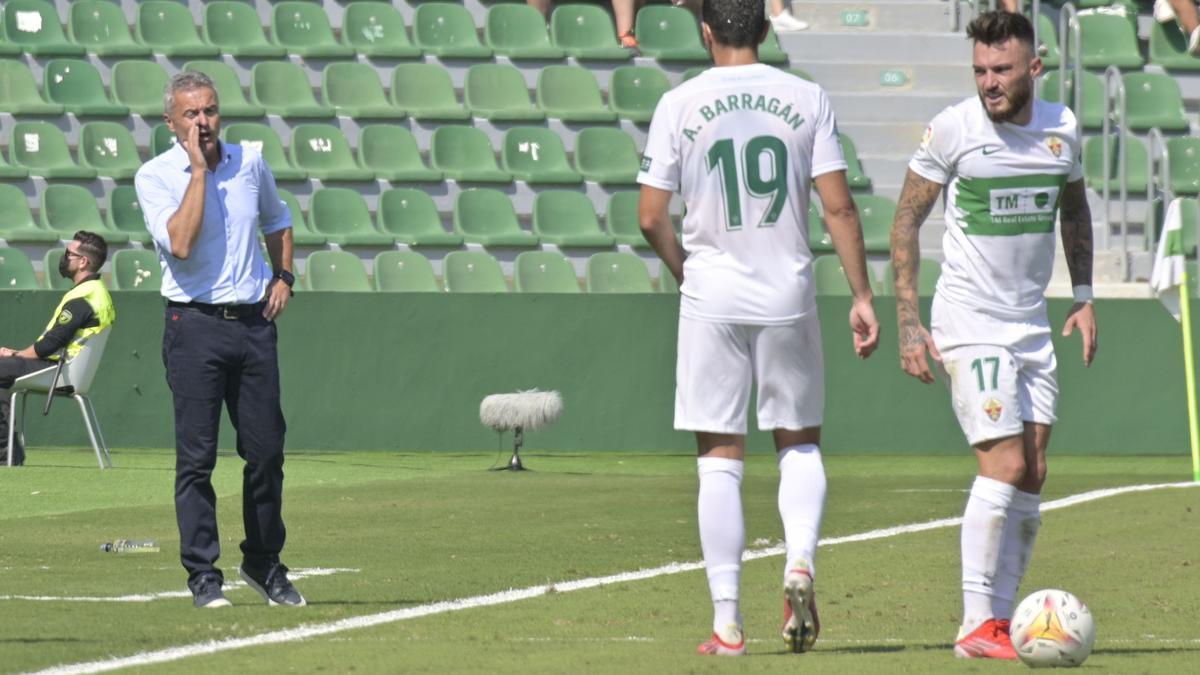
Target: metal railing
(1114, 106)
(1070, 51)
(1160, 154)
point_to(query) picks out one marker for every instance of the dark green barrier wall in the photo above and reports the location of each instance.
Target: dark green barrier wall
(407, 372)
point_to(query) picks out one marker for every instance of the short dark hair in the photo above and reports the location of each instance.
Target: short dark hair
(94, 247)
(992, 28)
(735, 23)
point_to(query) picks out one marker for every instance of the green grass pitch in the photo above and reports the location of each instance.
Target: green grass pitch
(396, 531)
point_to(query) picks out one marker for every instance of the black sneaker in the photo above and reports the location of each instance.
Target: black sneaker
(275, 588)
(206, 592)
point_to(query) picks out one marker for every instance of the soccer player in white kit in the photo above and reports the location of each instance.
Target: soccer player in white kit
(743, 143)
(1009, 163)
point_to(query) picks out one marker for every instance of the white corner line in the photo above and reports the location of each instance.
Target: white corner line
(150, 597)
(366, 621)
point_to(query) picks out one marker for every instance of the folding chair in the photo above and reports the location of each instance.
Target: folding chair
(74, 380)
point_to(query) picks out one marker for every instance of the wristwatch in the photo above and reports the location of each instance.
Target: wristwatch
(287, 278)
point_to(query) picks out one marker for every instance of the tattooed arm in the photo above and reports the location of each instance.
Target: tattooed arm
(1076, 224)
(916, 201)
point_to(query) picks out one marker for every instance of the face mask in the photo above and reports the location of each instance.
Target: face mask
(64, 266)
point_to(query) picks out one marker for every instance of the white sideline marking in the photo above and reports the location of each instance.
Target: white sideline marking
(150, 597)
(513, 595)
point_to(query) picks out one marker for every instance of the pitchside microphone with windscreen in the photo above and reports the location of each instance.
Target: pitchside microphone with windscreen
(522, 410)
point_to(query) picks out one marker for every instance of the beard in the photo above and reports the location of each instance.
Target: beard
(64, 267)
(1018, 97)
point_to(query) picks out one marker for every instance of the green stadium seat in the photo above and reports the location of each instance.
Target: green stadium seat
(1107, 40)
(336, 271)
(412, 218)
(770, 51)
(168, 28)
(237, 30)
(282, 88)
(1093, 164)
(927, 278)
(586, 32)
(1153, 100)
(567, 219)
(536, 155)
(19, 93)
(818, 235)
(876, 214)
(16, 220)
(7, 48)
(76, 84)
(486, 216)
(100, 26)
(497, 92)
(425, 91)
(136, 269)
(519, 32)
(855, 176)
(161, 139)
(67, 209)
(301, 234)
(16, 271)
(666, 281)
(404, 272)
(472, 272)
(1185, 165)
(377, 30)
(354, 89)
(1048, 37)
(341, 215)
(465, 154)
(612, 272)
(391, 152)
(621, 219)
(544, 272)
(322, 151)
(51, 279)
(1092, 114)
(124, 214)
(693, 72)
(139, 85)
(670, 34)
(571, 94)
(635, 90)
(229, 89)
(607, 156)
(109, 148)
(34, 26)
(447, 30)
(1168, 47)
(303, 29)
(9, 171)
(41, 148)
(830, 279)
(263, 139)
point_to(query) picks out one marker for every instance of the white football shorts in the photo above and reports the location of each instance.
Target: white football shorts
(716, 363)
(1001, 373)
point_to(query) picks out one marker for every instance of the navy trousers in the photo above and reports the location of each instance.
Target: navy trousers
(214, 358)
(12, 367)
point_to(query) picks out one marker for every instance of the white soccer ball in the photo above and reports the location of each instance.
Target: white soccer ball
(1052, 628)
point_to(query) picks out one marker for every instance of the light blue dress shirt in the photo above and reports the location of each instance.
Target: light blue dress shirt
(226, 265)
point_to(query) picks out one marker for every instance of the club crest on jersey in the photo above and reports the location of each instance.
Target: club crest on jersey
(993, 409)
(928, 135)
(1054, 143)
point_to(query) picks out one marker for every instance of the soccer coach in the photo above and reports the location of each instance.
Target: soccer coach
(205, 203)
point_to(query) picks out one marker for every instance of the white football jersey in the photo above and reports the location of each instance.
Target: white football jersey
(1004, 184)
(741, 144)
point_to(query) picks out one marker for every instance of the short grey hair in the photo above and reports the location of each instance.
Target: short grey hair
(185, 81)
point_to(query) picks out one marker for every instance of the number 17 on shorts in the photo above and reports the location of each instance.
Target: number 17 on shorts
(983, 385)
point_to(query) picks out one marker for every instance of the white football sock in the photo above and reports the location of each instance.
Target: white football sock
(801, 502)
(1020, 531)
(982, 534)
(722, 535)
